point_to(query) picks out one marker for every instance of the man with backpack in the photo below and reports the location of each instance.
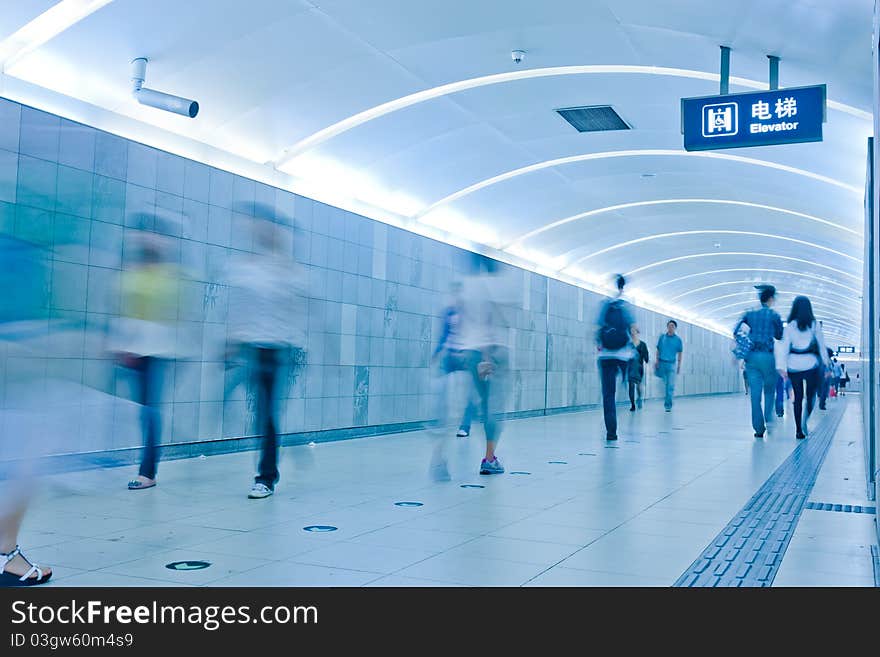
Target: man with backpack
(765, 327)
(615, 351)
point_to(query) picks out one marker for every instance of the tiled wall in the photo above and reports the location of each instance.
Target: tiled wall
(375, 295)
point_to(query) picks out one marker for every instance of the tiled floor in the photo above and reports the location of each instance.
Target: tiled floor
(633, 514)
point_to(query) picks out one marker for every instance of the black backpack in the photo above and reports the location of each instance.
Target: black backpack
(614, 333)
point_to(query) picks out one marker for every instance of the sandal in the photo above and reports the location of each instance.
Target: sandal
(138, 484)
(11, 579)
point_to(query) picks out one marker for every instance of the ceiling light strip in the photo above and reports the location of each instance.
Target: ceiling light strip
(673, 201)
(757, 270)
(741, 253)
(45, 27)
(584, 157)
(683, 233)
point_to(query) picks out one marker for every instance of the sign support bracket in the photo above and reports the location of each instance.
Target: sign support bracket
(725, 71)
(774, 72)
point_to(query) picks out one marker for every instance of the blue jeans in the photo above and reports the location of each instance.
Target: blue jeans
(780, 396)
(762, 374)
(150, 373)
(491, 390)
(666, 371)
(456, 360)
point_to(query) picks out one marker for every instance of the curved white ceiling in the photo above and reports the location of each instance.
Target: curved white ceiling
(413, 113)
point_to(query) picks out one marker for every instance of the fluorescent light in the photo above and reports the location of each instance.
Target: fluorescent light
(710, 272)
(752, 254)
(668, 201)
(44, 27)
(682, 233)
(425, 95)
(584, 157)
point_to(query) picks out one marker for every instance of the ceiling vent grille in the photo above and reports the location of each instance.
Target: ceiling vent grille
(594, 118)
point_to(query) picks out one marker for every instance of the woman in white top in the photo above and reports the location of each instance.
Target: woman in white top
(800, 355)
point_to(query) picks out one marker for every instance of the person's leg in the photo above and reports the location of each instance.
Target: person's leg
(769, 375)
(149, 376)
(823, 388)
(670, 384)
(641, 389)
(780, 396)
(266, 371)
(797, 384)
(812, 381)
(632, 395)
(608, 377)
(756, 384)
(495, 387)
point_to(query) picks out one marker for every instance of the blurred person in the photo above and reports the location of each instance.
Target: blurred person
(615, 326)
(765, 327)
(143, 337)
(636, 369)
(266, 327)
(23, 309)
(844, 379)
(668, 362)
(486, 295)
(836, 371)
(825, 378)
(799, 356)
(780, 396)
(450, 355)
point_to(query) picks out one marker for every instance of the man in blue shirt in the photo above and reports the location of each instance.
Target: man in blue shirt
(668, 363)
(765, 327)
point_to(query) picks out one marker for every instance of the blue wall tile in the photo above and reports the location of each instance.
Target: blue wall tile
(197, 181)
(143, 163)
(111, 155)
(76, 146)
(10, 125)
(40, 133)
(221, 188)
(108, 199)
(74, 192)
(8, 175)
(170, 175)
(37, 181)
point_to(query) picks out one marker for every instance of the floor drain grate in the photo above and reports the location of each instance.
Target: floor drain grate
(842, 508)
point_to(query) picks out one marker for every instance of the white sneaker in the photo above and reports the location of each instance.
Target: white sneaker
(259, 491)
(462, 434)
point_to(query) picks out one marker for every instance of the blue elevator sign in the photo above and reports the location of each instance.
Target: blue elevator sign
(759, 118)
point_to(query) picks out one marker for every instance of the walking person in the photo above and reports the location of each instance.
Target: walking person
(799, 356)
(844, 379)
(836, 371)
(144, 338)
(615, 326)
(450, 357)
(825, 378)
(765, 327)
(636, 369)
(267, 329)
(780, 396)
(668, 363)
(486, 293)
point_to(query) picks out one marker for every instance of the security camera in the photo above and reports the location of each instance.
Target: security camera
(158, 99)
(517, 55)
